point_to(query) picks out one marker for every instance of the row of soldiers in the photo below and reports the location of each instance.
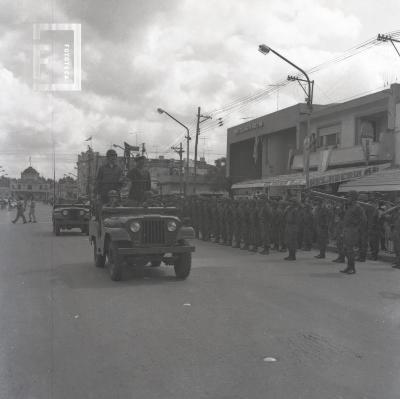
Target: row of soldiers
(260, 225)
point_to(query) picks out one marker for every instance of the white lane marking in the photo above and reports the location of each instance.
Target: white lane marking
(187, 304)
(270, 359)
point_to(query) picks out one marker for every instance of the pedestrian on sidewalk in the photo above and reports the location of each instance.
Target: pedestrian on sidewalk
(20, 211)
(32, 207)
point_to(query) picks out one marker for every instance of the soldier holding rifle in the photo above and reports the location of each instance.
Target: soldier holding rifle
(354, 218)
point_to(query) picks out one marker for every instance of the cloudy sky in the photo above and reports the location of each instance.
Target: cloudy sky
(178, 55)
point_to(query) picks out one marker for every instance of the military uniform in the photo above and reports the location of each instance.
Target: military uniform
(229, 222)
(282, 225)
(254, 227)
(338, 234)
(275, 226)
(245, 224)
(300, 226)
(236, 226)
(322, 227)
(291, 229)
(108, 178)
(264, 216)
(354, 219)
(308, 231)
(373, 231)
(396, 237)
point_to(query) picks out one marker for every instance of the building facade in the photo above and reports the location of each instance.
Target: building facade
(31, 183)
(352, 138)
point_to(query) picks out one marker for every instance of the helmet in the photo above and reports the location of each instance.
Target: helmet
(111, 153)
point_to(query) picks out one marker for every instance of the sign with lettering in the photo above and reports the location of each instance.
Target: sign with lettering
(248, 126)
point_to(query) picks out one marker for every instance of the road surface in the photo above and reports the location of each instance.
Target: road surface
(242, 326)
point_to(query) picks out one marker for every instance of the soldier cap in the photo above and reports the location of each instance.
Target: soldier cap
(111, 153)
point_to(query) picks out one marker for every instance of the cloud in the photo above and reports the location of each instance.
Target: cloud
(137, 56)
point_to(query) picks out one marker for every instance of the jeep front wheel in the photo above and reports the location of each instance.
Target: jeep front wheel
(56, 229)
(183, 265)
(115, 262)
(99, 260)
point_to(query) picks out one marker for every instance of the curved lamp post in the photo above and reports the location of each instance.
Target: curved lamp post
(187, 137)
(264, 49)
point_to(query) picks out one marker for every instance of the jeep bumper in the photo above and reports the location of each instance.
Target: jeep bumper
(156, 250)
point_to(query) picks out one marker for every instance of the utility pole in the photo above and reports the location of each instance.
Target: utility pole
(388, 38)
(89, 186)
(179, 151)
(200, 119)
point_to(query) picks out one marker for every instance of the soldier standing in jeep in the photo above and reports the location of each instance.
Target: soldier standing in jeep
(109, 177)
(139, 180)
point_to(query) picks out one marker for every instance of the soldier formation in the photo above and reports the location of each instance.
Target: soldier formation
(261, 225)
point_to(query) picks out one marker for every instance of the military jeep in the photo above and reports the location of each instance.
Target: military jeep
(137, 235)
(69, 216)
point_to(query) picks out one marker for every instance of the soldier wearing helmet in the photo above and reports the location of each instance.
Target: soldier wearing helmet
(109, 177)
(353, 219)
(139, 180)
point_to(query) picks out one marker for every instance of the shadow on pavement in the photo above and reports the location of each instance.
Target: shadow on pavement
(327, 275)
(389, 295)
(85, 275)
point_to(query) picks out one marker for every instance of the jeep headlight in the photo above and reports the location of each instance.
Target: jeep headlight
(81, 213)
(134, 226)
(171, 225)
(64, 212)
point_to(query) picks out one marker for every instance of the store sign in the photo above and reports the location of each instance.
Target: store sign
(340, 177)
(248, 126)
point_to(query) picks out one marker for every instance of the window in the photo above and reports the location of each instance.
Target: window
(29, 186)
(19, 187)
(329, 136)
(331, 139)
(370, 127)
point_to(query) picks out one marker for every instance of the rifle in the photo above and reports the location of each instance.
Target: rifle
(336, 198)
(390, 210)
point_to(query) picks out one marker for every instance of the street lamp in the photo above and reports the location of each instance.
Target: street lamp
(264, 49)
(187, 137)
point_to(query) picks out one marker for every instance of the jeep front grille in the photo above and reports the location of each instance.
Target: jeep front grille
(153, 232)
(73, 214)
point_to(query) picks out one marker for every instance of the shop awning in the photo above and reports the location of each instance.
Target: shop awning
(384, 180)
(297, 180)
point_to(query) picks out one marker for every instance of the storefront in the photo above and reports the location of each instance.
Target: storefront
(329, 181)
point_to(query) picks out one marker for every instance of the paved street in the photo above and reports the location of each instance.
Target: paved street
(67, 331)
